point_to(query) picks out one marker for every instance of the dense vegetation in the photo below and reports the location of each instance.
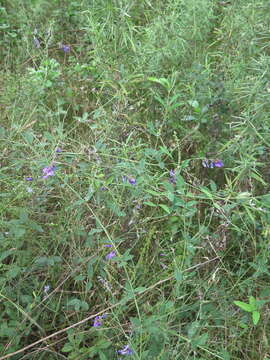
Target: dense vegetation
(134, 209)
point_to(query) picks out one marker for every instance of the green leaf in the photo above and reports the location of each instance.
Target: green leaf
(67, 347)
(79, 277)
(194, 104)
(200, 340)
(176, 105)
(206, 191)
(165, 207)
(139, 289)
(170, 196)
(90, 271)
(225, 355)
(178, 275)
(162, 81)
(155, 193)
(149, 203)
(161, 101)
(252, 302)
(243, 306)
(256, 317)
(88, 286)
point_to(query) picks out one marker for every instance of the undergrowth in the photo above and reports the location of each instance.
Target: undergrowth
(134, 179)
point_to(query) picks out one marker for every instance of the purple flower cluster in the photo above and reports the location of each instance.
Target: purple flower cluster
(131, 180)
(46, 288)
(125, 351)
(65, 48)
(110, 255)
(48, 171)
(98, 320)
(211, 164)
(172, 178)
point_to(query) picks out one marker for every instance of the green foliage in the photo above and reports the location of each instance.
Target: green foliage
(139, 236)
(253, 306)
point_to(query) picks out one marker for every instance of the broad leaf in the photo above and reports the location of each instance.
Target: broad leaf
(244, 306)
(255, 317)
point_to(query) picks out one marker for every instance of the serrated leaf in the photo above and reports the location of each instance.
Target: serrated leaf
(243, 306)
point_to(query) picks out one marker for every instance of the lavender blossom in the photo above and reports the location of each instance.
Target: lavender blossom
(107, 245)
(65, 48)
(172, 178)
(48, 171)
(97, 320)
(46, 288)
(211, 164)
(207, 164)
(58, 150)
(29, 178)
(125, 351)
(110, 255)
(218, 163)
(132, 181)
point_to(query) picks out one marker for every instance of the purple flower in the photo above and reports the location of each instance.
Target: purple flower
(46, 288)
(211, 164)
(97, 320)
(58, 150)
(125, 351)
(208, 164)
(65, 48)
(132, 181)
(107, 245)
(205, 163)
(48, 171)
(29, 178)
(110, 255)
(172, 178)
(218, 163)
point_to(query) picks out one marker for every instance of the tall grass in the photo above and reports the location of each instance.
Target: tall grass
(134, 179)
